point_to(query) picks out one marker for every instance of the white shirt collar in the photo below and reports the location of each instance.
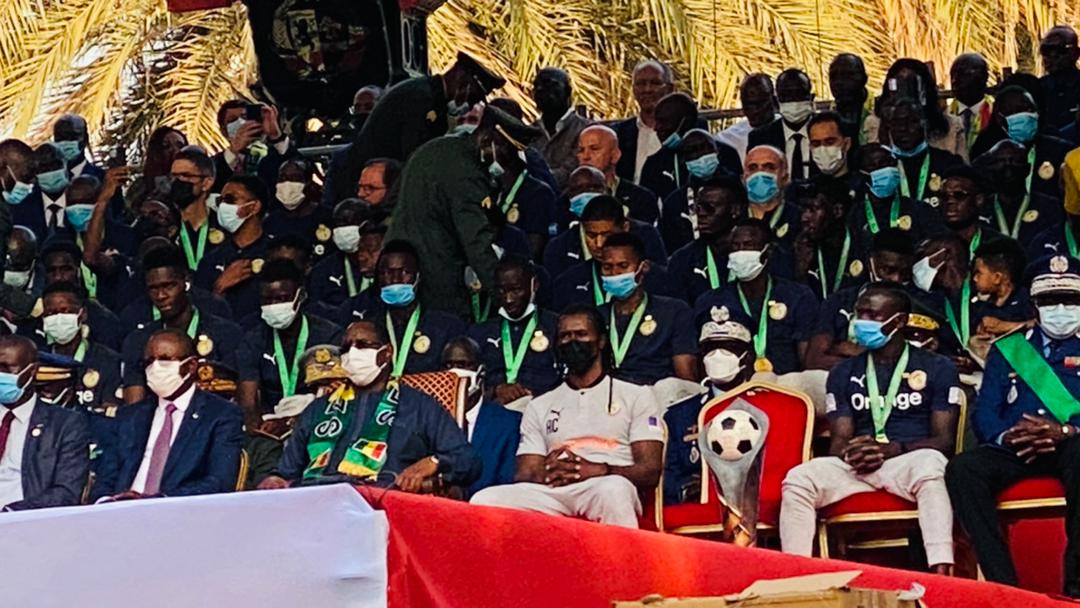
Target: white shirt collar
(182, 402)
(473, 415)
(78, 169)
(61, 200)
(642, 126)
(788, 132)
(23, 412)
(960, 107)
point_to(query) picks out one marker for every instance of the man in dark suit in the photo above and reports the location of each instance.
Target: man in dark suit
(44, 451)
(178, 442)
(256, 146)
(599, 147)
(71, 136)
(492, 430)
(637, 136)
(789, 133)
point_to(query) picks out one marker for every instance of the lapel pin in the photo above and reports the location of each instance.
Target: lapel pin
(36, 432)
(195, 416)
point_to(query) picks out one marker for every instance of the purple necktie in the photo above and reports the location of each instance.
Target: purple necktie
(160, 453)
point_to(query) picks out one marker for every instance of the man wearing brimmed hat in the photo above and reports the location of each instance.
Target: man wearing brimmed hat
(724, 345)
(1027, 419)
(409, 114)
(444, 204)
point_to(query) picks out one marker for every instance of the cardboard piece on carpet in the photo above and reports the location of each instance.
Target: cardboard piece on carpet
(829, 590)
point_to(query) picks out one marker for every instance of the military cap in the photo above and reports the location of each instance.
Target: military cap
(216, 377)
(322, 365)
(724, 330)
(487, 79)
(509, 128)
(1055, 274)
(55, 368)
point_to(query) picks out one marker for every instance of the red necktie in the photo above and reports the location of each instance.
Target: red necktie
(5, 430)
(160, 453)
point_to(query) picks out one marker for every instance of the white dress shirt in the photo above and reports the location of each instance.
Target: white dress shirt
(789, 150)
(11, 462)
(471, 417)
(182, 403)
(234, 160)
(736, 136)
(46, 202)
(647, 145)
(78, 169)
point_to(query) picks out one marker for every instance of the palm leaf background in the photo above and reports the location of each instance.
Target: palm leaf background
(129, 66)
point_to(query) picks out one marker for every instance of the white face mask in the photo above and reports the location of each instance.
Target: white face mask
(473, 376)
(347, 238)
(282, 314)
(1060, 321)
(61, 328)
(291, 194)
(830, 159)
(794, 112)
(362, 365)
(16, 278)
(722, 366)
(163, 377)
(746, 265)
(528, 311)
(922, 273)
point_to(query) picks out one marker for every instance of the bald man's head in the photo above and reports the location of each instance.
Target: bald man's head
(767, 159)
(585, 179)
(22, 249)
(598, 147)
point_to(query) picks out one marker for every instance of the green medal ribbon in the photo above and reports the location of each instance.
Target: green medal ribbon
(599, 297)
(510, 196)
(777, 214)
(479, 313)
(961, 329)
(618, 346)
(1070, 239)
(194, 256)
(80, 353)
(761, 337)
(923, 171)
(844, 252)
(193, 325)
(290, 375)
(710, 264)
(350, 282)
(881, 407)
(1003, 225)
(974, 245)
(89, 277)
(401, 355)
(1040, 377)
(871, 217)
(514, 357)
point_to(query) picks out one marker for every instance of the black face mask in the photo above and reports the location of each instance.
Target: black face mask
(181, 194)
(576, 355)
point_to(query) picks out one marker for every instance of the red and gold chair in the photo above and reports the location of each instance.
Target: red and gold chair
(445, 387)
(880, 519)
(791, 424)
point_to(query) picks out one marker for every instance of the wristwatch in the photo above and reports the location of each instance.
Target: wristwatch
(434, 460)
(1067, 430)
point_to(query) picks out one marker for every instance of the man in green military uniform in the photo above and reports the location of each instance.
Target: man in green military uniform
(409, 114)
(444, 203)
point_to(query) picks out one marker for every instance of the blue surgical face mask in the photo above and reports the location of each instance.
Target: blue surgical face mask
(228, 215)
(901, 153)
(398, 294)
(53, 182)
(10, 391)
(673, 141)
(762, 187)
(1022, 126)
(580, 201)
(704, 166)
(620, 286)
(464, 128)
(19, 191)
(78, 216)
(884, 182)
(70, 149)
(495, 169)
(868, 333)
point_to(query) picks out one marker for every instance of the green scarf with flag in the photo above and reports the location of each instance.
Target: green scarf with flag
(364, 458)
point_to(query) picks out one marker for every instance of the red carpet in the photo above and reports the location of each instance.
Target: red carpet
(448, 554)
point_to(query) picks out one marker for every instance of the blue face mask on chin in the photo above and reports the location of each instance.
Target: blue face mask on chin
(868, 333)
(884, 182)
(10, 391)
(398, 294)
(620, 286)
(917, 150)
(18, 193)
(53, 182)
(673, 141)
(580, 201)
(703, 167)
(1022, 126)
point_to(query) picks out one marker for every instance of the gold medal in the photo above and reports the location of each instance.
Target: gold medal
(204, 346)
(935, 182)
(512, 215)
(216, 237)
(1046, 170)
(781, 231)
(904, 223)
(539, 342)
(323, 233)
(855, 268)
(206, 373)
(762, 364)
(421, 344)
(648, 326)
(917, 380)
(1030, 216)
(256, 265)
(777, 310)
(431, 116)
(91, 378)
